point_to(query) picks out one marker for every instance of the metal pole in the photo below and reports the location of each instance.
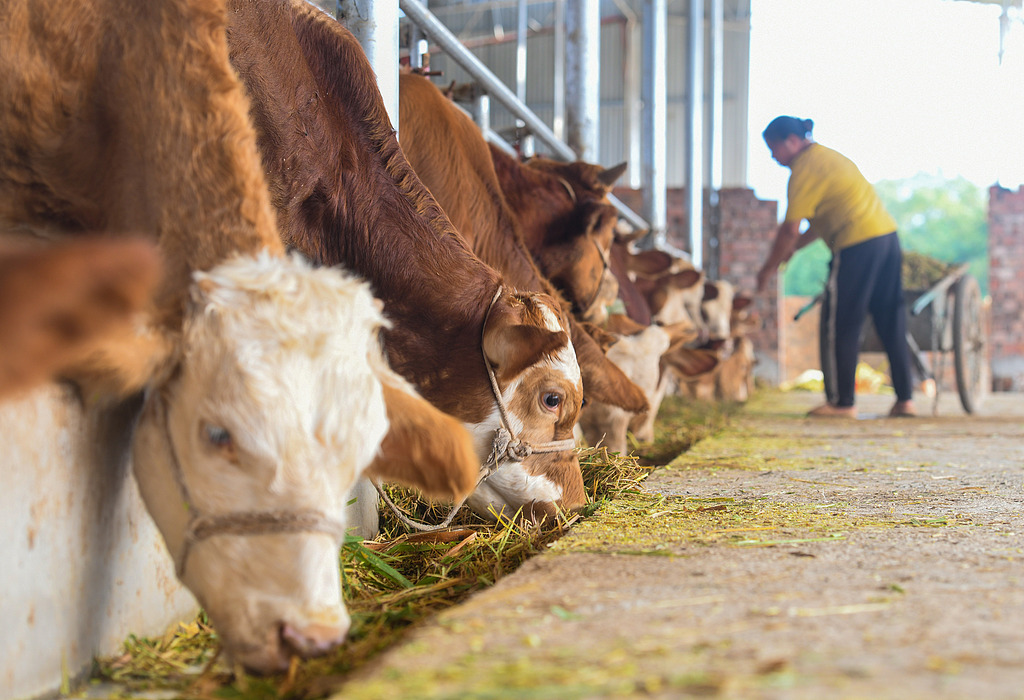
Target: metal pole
(417, 46)
(482, 112)
(632, 91)
(694, 132)
(653, 127)
(375, 26)
(583, 77)
(717, 34)
(526, 143)
(558, 97)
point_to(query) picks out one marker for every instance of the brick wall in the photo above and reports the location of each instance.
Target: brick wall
(746, 229)
(1006, 286)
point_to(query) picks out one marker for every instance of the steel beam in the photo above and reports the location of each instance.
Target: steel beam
(375, 25)
(695, 131)
(653, 143)
(583, 77)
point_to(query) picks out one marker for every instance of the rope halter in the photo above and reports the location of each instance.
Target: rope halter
(202, 526)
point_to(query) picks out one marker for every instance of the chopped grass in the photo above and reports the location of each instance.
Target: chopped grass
(402, 578)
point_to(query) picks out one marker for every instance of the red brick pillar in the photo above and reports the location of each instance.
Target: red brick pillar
(746, 231)
(1006, 286)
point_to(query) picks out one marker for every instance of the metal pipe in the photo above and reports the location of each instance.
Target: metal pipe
(558, 83)
(526, 142)
(695, 131)
(654, 125)
(449, 43)
(717, 51)
(417, 46)
(375, 26)
(583, 77)
(633, 100)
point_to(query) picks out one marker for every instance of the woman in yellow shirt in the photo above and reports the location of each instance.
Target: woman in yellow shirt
(842, 209)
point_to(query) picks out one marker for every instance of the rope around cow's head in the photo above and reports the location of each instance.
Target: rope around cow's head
(202, 526)
(505, 447)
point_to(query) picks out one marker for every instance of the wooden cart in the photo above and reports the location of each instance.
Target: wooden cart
(942, 319)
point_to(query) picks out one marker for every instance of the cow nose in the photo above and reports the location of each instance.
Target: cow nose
(312, 640)
(539, 511)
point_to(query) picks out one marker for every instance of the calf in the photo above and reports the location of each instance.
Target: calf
(267, 394)
(497, 359)
(645, 354)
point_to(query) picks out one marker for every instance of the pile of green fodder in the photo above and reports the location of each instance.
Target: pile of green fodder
(921, 271)
(395, 581)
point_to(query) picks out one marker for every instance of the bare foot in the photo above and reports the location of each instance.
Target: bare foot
(903, 409)
(829, 411)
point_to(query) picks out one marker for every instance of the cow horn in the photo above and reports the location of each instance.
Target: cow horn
(610, 175)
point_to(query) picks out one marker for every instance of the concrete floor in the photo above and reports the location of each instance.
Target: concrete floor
(784, 558)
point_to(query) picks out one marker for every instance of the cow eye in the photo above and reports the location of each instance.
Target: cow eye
(552, 400)
(218, 437)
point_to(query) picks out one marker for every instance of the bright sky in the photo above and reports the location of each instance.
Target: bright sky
(898, 86)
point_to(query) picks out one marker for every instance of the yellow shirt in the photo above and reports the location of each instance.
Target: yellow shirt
(828, 190)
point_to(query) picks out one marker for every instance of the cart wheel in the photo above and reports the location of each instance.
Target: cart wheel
(968, 343)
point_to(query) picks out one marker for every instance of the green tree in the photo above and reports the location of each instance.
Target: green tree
(945, 219)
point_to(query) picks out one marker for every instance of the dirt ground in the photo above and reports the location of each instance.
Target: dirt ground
(783, 558)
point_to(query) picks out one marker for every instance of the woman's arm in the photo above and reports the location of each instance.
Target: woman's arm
(787, 241)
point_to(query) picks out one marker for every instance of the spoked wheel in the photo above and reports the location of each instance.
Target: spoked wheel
(969, 343)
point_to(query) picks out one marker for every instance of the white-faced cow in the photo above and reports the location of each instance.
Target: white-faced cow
(267, 394)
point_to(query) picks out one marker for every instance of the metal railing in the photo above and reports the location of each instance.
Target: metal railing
(437, 32)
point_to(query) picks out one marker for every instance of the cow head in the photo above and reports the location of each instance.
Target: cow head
(527, 345)
(716, 309)
(246, 454)
(577, 244)
(675, 297)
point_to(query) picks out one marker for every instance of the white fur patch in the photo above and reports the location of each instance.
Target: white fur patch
(511, 487)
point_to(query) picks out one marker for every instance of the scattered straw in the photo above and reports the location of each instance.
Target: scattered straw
(402, 578)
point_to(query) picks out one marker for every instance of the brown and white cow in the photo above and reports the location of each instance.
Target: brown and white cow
(647, 354)
(451, 157)
(60, 302)
(267, 394)
(345, 194)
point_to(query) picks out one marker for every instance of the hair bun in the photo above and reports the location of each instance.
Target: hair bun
(809, 125)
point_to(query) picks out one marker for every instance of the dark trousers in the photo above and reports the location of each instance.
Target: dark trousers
(867, 278)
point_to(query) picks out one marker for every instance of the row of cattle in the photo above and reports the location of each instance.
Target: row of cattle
(444, 311)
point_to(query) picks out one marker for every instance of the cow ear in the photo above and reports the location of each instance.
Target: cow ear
(710, 291)
(71, 309)
(511, 345)
(682, 332)
(424, 448)
(741, 301)
(602, 379)
(689, 362)
(649, 263)
(623, 325)
(605, 338)
(684, 279)
(609, 176)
